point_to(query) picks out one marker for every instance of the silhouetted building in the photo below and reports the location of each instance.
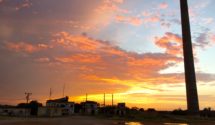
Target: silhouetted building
(14, 111)
(78, 108)
(121, 109)
(49, 112)
(89, 107)
(68, 108)
(109, 110)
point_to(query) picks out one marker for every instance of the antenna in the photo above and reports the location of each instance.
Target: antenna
(63, 89)
(50, 94)
(27, 96)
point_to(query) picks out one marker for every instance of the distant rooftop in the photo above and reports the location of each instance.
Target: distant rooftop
(64, 99)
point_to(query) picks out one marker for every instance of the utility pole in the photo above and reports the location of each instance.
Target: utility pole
(27, 96)
(190, 77)
(86, 97)
(112, 99)
(27, 100)
(104, 99)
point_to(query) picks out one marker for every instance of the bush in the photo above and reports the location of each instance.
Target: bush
(179, 112)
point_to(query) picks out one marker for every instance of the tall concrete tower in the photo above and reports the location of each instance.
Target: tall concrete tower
(190, 77)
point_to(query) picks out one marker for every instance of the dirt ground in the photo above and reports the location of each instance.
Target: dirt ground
(75, 120)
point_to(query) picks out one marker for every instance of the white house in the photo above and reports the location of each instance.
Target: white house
(49, 111)
(13, 111)
(90, 107)
(68, 108)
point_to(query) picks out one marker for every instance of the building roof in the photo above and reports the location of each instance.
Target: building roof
(89, 102)
(60, 100)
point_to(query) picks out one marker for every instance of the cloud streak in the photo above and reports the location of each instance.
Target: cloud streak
(172, 43)
(163, 5)
(24, 47)
(129, 20)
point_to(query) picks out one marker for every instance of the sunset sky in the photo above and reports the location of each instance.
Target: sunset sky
(131, 48)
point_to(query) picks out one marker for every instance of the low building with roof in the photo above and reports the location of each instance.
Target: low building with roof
(68, 108)
(49, 112)
(89, 107)
(57, 107)
(14, 111)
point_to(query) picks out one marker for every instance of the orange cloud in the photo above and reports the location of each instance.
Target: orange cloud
(172, 43)
(130, 20)
(101, 61)
(99, 66)
(80, 41)
(163, 5)
(25, 47)
(104, 61)
(136, 21)
(143, 18)
(81, 58)
(84, 43)
(118, 1)
(152, 19)
(110, 6)
(147, 82)
(21, 47)
(213, 38)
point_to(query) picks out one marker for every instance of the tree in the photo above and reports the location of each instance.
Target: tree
(34, 105)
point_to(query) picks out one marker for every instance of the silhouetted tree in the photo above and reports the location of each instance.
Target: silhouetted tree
(22, 105)
(206, 112)
(179, 112)
(151, 110)
(134, 110)
(34, 107)
(141, 110)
